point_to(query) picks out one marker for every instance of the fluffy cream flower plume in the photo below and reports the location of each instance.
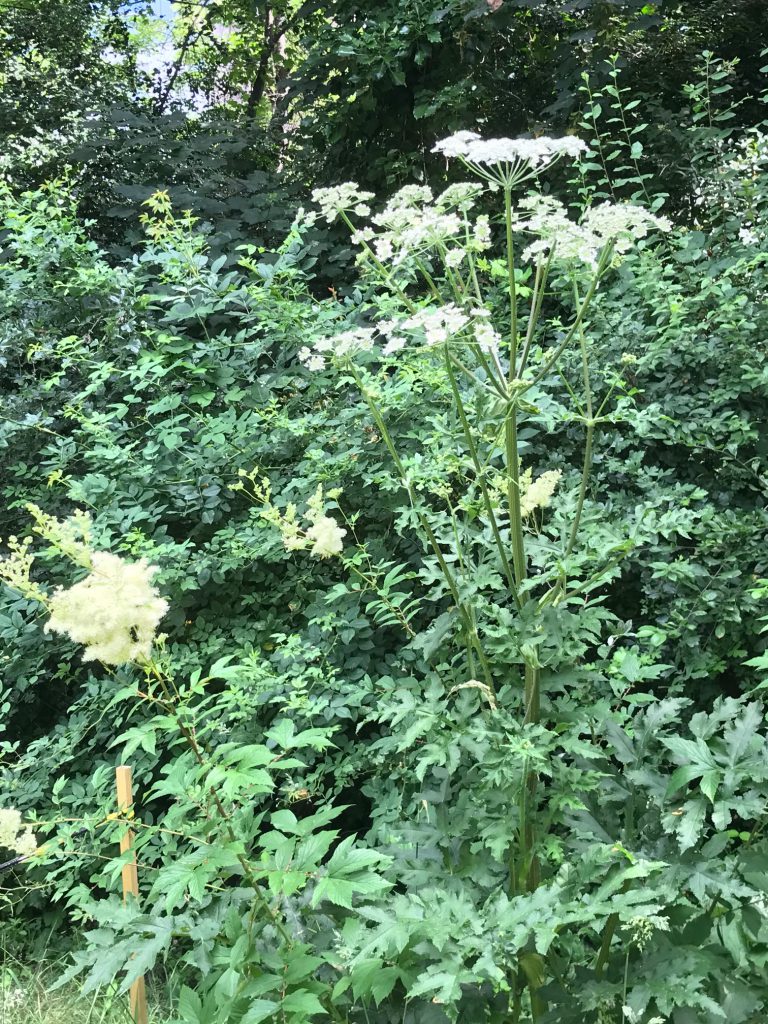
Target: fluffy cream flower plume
(114, 612)
(13, 836)
(327, 537)
(322, 535)
(537, 493)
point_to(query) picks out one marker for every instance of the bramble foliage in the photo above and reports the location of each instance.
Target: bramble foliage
(449, 717)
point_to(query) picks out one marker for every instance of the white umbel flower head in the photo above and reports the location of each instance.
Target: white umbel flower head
(623, 224)
(508, 161)
(438, 325)
(619, 225)
(342, 199)
(114, 612)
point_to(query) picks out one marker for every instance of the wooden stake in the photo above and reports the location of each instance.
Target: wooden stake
(124, 779)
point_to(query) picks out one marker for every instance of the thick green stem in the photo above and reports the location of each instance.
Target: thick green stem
(471, 632)
(513, 498)
(537, 300)
(511, 285)
(590, 422)
(480, 476)
(585, 471)
(605, 946)
(581, 313)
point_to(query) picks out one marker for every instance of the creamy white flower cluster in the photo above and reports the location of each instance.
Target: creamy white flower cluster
(13, 835)
(114, 612)
(538, 153)
(462, 196)
(342, 199)
(323, 536)
(537, 493)
(432, 325)
(618, 224)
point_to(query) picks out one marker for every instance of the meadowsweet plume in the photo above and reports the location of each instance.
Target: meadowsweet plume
(114, 612)
(13, 835)
(326, 536)
(537, 493)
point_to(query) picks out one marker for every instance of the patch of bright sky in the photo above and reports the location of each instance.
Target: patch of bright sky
(163, 8)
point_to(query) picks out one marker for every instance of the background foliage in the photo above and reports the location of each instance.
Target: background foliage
(144, 364)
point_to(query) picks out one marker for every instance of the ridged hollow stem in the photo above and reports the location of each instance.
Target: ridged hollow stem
(513, 499)
(537, 300)
(494, 383)
(528, 873)
(480, 475)
(471, 633)
(511, 285)
(472, 268)
(605, 945)
(588, 444)
(581, 313)
(429, 280)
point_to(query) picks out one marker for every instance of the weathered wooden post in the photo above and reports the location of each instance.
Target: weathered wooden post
(124, 779)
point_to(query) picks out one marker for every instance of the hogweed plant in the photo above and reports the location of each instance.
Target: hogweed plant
(438, 317)
(495, 358)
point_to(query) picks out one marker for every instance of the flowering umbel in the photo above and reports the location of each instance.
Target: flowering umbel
(508, 161)
(114, 612)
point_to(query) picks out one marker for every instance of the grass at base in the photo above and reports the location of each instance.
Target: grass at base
(25, 998)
